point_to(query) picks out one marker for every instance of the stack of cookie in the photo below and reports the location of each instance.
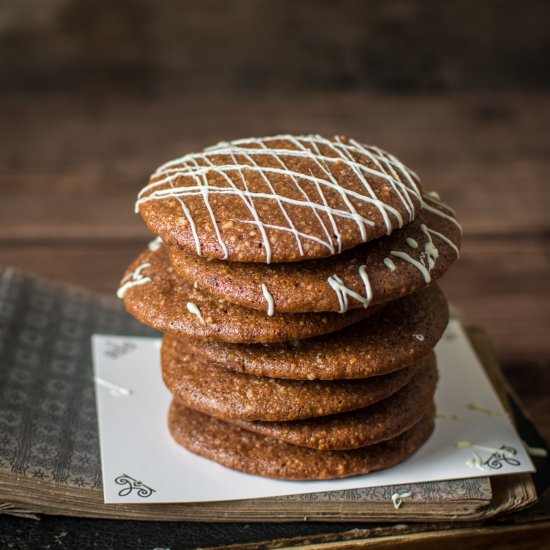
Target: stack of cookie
(293, 277)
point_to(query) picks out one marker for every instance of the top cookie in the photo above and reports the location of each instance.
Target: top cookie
(279, 199)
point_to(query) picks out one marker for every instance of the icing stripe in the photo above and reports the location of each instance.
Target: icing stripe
(194, 190)
(194, 309)
(222, 169)
(407, 258)
(205, 189)
(446, 239)
(155, 244)
(366, 282)
(369, 190)
(136, 279)
(358, 220)
(269, 300)
(389, 264)
(411, 242)
(343, 292)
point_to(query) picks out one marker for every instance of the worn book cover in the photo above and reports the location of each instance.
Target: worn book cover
(49, 449)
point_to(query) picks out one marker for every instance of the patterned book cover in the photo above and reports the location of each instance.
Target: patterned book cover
(49, 450)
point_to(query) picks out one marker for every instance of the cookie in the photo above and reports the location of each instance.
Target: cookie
(253, 453)
(156, 296)
(221, 392)
(401, 334)
(384, 420)
(376, 272)
(279, 199)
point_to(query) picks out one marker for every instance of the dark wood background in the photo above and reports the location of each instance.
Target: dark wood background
(95, 94)
(181, 46)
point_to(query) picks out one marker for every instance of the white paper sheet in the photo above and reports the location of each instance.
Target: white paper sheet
(142, 464)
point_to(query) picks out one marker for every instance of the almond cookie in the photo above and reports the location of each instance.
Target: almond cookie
(376, 272)
(384, 420)
(221, 392)
(257, 454)
(399, 335)
(279, 199)
(156, 296)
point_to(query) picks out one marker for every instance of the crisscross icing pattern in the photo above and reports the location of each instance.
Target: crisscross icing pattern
(231, 161)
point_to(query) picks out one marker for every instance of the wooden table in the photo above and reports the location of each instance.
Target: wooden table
(71, 167)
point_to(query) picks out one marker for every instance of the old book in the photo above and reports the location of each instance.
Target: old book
(49, 449)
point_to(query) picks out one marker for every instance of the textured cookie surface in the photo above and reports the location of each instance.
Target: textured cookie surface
(385, 269)
(401, 334)
(253, 453)
(221, 392)
(384, 420)
(279, 199)
(157, 297)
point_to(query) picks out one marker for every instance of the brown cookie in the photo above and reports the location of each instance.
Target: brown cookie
(345, 281)
(221, 392)
(401, 334)
(279, 199)
(156, 296)
(253, 453)
(384, 420)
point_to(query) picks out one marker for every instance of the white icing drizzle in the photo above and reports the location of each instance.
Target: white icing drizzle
(199, 166)
(319, 189)
(397, 498)
(537, 452)
(189, 220)
(194, 309)
(441, 414)
(368, 289)
(431, 253)
(476, 462)
(276, 196)
(359, 175)
(419, 337)
(438, 212)
(114, 389)
(343, 292)
(155, 244)
(269, 300)
(358, 220)
(404, 256)
(443, 238)
(304, 235)
(429, 247)
(387, 160)
(468, 445)
(136, 279)
(389, 264)
(486, 410)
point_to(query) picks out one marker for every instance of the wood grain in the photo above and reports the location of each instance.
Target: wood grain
(261, 46)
